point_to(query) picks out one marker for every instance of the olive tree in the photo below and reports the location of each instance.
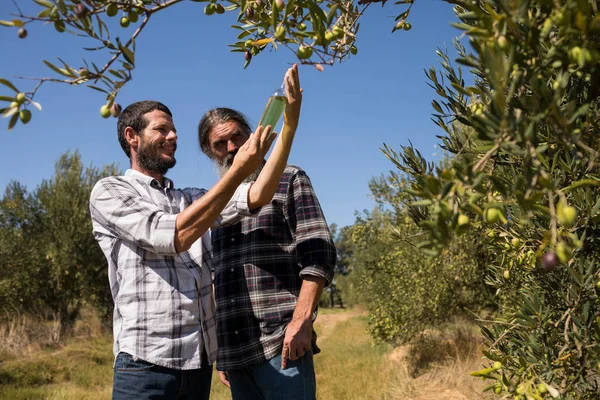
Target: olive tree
(319, 32)
(524, 171)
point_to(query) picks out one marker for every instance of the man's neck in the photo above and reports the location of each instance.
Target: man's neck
(156, 175)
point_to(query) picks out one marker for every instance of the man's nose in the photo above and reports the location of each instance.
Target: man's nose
(172, 135)
(231, 147)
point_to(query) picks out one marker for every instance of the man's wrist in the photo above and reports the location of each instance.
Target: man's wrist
(302, 316)
(235, 176)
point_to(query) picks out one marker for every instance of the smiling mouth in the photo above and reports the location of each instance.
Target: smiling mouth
(169, 147)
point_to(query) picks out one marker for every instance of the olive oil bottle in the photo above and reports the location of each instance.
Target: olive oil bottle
(274, 108)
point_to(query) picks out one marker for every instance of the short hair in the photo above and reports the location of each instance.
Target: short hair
(133, 116)
(214, 117)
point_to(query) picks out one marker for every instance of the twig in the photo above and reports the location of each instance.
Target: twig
(481, 163)
(18, 8)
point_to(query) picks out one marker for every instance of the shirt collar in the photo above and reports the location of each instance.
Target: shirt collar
(137, 175)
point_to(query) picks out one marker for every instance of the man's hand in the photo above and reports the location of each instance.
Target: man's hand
(293, 92)
(298, 334)
(297, 341)
(224, 379)
(252, 153)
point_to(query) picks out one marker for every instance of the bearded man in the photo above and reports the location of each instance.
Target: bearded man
(269, 272)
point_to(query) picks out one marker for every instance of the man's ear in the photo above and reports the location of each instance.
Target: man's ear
(132, 137)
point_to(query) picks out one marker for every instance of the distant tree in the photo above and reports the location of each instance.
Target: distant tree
(51, 260)
(405, 290)
(22, 275)
(343, 245)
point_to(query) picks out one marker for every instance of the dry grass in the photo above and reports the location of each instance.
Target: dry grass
(350, 366)
(437, 366)
(26, 334)
(23, 334)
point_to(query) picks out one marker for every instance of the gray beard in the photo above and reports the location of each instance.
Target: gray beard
(223, 168)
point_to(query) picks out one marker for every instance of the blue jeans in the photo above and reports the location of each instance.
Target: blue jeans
(140, 380)
(267, 381)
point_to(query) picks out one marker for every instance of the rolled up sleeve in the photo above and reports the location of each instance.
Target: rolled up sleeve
(237, 208)
(314, 245)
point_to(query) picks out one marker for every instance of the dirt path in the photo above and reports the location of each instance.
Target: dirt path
(326, 323)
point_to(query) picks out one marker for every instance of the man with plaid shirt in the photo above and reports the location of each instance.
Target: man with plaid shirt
(269, 272)
(153, 238)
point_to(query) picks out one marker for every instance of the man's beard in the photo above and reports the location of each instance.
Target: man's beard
(150, 159)
(223, 166)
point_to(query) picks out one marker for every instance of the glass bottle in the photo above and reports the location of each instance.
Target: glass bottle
(274, 108)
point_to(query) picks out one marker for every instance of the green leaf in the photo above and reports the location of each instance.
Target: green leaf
(61, 6)
(331, 13)
(244, 34)
(437, 107)
(582, 183)
(318, 11)
(13, 121)
(44, 3)
(469, 16)
(289, 7)
(127, 53)
(118, 74)
(56, 69)
(274, 15)
(7, 98)
(469, 62)
(576, 276)
(422, 203)
(18, 23)
(45, 13)
(581, 111)
(67, 69)
(10, 85)
(97, 88)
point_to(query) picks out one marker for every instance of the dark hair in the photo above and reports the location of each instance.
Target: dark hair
(215, 117)
(133, 116)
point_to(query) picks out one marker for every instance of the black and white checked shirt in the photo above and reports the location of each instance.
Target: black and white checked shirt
(164, 309)
(259, 264)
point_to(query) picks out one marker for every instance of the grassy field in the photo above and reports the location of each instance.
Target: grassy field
(349, 367)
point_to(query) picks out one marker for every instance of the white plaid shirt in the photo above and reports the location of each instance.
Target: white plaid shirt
(164, 310)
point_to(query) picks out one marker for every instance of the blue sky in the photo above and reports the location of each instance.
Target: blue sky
(349, 111)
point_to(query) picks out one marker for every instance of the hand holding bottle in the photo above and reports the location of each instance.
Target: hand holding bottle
(293, 93)
(288, 97)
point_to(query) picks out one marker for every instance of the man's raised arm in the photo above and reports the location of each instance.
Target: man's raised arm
(264, 188)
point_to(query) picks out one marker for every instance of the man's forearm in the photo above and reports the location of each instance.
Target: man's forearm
(264, 188)
(195, 220)
(310, 292)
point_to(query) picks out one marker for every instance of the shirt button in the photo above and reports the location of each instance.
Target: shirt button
(236, 332)
(233, 300)
(231, 269)
(233, 239)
